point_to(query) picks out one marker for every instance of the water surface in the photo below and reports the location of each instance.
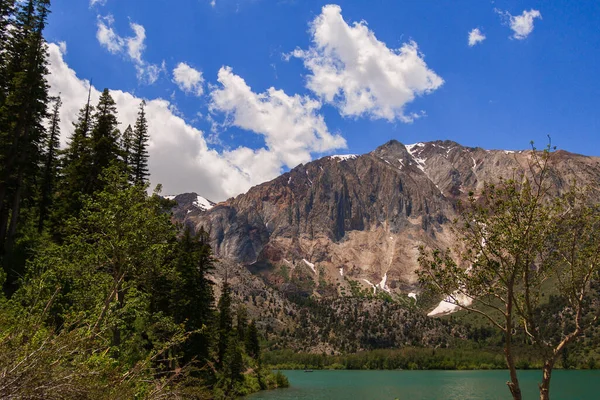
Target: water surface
(429, 385)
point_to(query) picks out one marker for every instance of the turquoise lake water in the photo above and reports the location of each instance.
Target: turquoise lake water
(429, 385)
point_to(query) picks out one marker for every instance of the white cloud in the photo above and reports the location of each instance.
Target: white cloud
(291, 127)
(63, 47)
(359, 74)
(188, 79)
(213, 3)
(107, 36)
(475, 36)
(132, 47)
(98, 2)
(180, 158)
(149, 73)
(522, 25)
(135, 44)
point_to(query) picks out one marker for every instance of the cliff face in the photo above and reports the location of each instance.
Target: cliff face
(341, 221)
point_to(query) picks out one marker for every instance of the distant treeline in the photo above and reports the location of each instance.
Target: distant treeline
(411, 358)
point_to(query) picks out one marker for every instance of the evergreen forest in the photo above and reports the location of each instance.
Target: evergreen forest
(103, 296)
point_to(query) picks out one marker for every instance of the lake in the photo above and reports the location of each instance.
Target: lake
(429, 385)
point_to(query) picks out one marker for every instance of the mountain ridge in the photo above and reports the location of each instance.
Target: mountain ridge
(360, 218)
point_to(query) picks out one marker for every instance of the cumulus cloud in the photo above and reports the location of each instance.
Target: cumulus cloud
(290, 125)
(521, 25)
(188, 79)
(132, 47)
(180, 158)
(351, 69)
(475, 36)
(98, 2)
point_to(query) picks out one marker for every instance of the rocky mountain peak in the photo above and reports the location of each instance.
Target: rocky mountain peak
(189, 203)
(346, 220)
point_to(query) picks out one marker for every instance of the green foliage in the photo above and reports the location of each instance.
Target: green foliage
(108, 300)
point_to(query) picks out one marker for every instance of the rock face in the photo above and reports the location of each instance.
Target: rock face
(341, 221)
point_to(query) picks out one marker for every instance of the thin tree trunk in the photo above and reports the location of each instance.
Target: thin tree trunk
(120, 301)
(107, 302)
(547, 374)
(551, 360)
(2, 196)
(3, 227)
(513, 384)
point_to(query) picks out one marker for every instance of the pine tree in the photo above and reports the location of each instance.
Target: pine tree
(225, 324)
(127, 146)
(241, 322)
(104, 140)
(21, 113)
(252, 341)
(234, 361)
(193, 303)
(7, 9)
(77, 156)
(50, 171)
(76, 166)
(139, 161)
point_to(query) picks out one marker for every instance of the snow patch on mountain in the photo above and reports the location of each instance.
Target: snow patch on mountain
(415, 150)
(311, 265)
(203, 203)
(343, 157)
(382, 285)
(411, 147)
(451, 304)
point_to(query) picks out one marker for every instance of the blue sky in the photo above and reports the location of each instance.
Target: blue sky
(405, 72)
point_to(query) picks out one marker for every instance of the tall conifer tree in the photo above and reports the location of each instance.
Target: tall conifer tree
(75, 174)
(21, 113)
(252, 341)
(77, 156)
(127, 146)
(139, 156)
(225, 324)
(7, 8)
(104, 139)
(50, 172)
(193, 297)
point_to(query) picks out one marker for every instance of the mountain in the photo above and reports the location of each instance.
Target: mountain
(361, 218)
(189, 203)
(325, 255)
